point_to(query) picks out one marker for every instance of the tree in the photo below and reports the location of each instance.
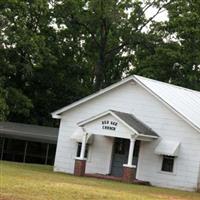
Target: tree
(109, 32)
(55, 52)
(175, 58)
(157, 57)
(22, 50)
(184, 24)
(39, 71)
(3, 106)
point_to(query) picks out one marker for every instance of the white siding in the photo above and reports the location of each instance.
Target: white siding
(132, 98)
(198, 184)
(99, 158)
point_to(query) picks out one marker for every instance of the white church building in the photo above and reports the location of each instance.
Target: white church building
(136, 129)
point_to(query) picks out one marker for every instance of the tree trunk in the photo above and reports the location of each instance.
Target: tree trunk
(100, 67)
(99, 71)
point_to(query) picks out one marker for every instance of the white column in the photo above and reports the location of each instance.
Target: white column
(131, 150)
(83, 146)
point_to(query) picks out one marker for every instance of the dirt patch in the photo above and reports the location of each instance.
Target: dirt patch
(4, 198)
(7, 198)
(166, 197)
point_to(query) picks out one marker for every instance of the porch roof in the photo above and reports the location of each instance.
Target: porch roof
(135, 123)
(129, 120)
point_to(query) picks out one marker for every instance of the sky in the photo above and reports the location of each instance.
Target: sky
(160, 17)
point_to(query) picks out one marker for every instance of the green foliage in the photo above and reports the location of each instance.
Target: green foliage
(39, 66)
(53, 53)
(107, 33)
(23, 50)
(157, 59)
(3, 106)
(18, 103)
(184, 21)
(176, 57)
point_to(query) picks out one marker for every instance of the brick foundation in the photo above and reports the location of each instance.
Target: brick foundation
(79, 167)
(128, 174)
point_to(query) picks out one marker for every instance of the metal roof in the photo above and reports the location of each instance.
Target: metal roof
(184, 102)
(168, 148)
(29, 132)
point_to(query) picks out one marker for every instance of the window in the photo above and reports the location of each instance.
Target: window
(168, 163)
(79, 150)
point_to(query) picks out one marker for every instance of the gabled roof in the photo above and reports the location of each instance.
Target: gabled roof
(129, 120)
(135, 123)
(184, 102)
(56, 114)
(29, 132)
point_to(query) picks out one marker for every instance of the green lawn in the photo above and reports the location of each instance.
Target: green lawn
(27, 182)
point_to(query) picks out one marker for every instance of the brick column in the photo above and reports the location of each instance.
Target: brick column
(79, 167)
(80, 162)
(128, 174)
(129, 170)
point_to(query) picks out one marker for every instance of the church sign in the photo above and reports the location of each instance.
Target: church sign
(109, 125)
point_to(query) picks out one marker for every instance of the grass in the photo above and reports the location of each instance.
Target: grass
(28, 182)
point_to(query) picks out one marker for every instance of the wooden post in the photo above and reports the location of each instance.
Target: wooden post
(47, 154)
(2, 149)
(25, 150)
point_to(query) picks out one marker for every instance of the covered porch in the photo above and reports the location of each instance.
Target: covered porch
(126, 131)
